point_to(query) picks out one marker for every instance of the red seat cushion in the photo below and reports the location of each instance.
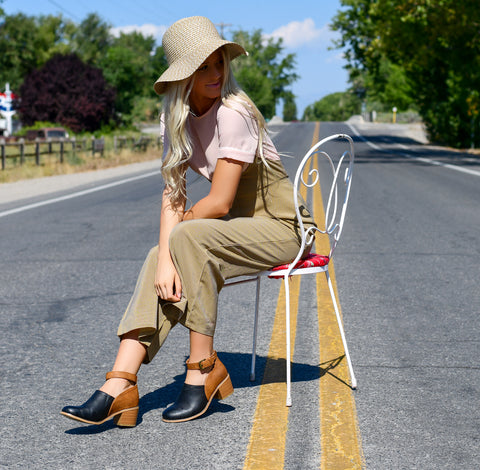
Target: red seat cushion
(310, 261)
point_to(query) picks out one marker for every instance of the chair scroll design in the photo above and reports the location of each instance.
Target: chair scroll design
(334, 220)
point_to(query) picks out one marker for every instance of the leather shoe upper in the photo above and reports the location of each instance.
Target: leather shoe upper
(96, 408)
(191, 402)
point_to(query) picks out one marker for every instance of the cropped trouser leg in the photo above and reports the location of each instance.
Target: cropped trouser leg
(205, 252)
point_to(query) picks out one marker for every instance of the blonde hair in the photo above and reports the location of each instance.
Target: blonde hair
(176, 109)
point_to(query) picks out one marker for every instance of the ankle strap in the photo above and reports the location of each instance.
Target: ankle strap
(204, 363)
(115, 374)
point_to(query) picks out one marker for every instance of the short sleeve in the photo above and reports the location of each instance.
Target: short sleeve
(237, 134)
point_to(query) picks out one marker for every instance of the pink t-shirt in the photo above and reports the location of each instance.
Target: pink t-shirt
(223, 132)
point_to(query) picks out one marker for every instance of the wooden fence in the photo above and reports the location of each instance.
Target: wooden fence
(23, 149)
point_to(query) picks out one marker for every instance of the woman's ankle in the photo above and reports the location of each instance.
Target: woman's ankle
(114, 387)
(195, 377)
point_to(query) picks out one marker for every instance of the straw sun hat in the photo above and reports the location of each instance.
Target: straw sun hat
(187, 43)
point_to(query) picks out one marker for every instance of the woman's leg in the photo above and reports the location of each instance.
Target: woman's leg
(118, 397)
(206, 252)
(201, 347)
(146, 319)
(130, 356)
(207, 378)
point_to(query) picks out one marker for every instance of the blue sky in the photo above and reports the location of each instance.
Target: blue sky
(303, 25)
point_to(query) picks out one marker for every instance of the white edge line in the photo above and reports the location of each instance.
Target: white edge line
(420, 159)
(361, 137)
(445, 165)
(76, 194)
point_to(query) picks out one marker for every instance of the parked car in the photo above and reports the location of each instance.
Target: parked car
(47, 133)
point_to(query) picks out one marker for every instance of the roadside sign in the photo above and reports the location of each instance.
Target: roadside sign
(6, 109)
(6, 99)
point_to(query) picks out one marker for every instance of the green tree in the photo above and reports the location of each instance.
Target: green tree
(289, 107)
(435, 42)
(389, 86)
(27, 42)
(334, 107)
(54, 35)
(127, 65)
(259, 88)
(18, 36)
(266, 73)
(91, 39)
(159, 64)
(130, 62)
(377, 80)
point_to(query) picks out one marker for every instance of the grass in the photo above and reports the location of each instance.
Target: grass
(74, 162)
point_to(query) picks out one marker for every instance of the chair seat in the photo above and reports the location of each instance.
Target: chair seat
(312, 260)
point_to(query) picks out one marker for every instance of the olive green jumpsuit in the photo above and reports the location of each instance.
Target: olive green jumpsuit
(261, 231)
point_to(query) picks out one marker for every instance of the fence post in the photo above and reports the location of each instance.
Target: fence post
(49, 140)
(115, 144)
(93, 146)
(22, 150)
(37, 151)
(2, 145)
(61, 149)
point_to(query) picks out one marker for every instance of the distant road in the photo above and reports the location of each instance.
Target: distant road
(407, 277)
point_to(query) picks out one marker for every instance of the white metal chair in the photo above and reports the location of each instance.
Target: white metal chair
(336, 207)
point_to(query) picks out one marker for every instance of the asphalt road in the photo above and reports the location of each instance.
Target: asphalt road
(413, 243)
(407, 274)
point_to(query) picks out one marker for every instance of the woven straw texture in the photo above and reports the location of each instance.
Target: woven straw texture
(187, 43)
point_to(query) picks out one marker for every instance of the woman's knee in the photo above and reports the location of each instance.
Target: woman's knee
(153, 253)
(182, 235)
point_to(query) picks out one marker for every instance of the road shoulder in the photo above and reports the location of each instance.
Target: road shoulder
(49, 185)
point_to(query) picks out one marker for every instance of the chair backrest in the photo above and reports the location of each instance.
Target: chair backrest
(340, 159)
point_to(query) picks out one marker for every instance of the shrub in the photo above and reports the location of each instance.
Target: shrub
(67, 91)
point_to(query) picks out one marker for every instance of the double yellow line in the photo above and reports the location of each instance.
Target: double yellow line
(339, 438)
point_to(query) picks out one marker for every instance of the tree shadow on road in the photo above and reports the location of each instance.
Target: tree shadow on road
(392, 149)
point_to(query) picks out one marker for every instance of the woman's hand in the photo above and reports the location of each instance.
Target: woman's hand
(167, 281)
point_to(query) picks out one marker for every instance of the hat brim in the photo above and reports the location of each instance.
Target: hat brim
(188, 65)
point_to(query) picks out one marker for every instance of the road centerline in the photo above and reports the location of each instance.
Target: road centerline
(266, 448)
(339, 431)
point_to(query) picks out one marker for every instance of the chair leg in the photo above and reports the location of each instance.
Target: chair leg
(342, 333)
(287, 330)
(255, 329)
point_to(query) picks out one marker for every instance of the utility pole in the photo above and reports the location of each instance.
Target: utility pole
(221, 26)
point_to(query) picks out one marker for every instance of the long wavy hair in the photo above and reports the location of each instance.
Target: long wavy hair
(176, 110)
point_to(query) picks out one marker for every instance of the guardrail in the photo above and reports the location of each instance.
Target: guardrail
(23, 149)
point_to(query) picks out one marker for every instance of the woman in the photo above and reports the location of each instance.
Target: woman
(245, 224)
